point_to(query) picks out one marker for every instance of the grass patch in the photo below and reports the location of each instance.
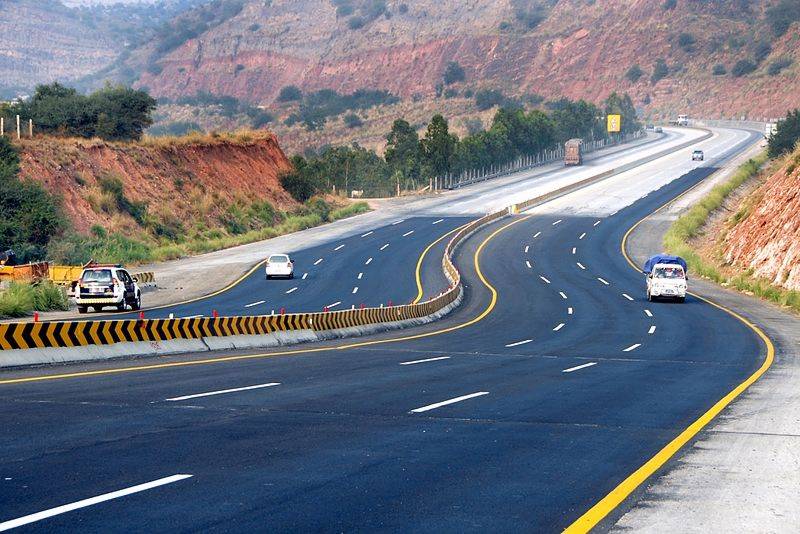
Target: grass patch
(678, 237)
(20, 300)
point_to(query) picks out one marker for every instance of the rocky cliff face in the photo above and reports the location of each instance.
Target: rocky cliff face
(579, 49)
(768, 240)
(192, 180)
(43, 41)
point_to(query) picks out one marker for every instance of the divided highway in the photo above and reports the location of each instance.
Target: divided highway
(553, 382)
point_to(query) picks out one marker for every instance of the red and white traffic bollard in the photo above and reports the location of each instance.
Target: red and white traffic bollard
(35, 317)
(214, 314)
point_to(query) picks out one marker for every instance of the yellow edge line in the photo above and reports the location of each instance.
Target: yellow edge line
(418, 272)
(138, 368)
(607, 504)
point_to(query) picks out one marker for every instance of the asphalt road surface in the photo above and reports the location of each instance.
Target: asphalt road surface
(551, 383)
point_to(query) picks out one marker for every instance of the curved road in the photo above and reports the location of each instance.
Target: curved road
(550, 384)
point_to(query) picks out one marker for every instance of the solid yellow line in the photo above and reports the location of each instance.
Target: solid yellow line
(222, 359)
(418, 272)
(607, 504)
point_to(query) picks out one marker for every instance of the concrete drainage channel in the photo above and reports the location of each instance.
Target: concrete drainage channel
(23, 344)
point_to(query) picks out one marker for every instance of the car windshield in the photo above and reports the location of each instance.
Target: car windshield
(99, 275)
(669, 272)
(279, 259)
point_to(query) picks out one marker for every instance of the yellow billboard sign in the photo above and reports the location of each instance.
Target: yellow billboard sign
(614, 123)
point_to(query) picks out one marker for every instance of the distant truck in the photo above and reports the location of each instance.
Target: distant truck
(573, 152)
(683, 120)
(666, 277)
(770, 129)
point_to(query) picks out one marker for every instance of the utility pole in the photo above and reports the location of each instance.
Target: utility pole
(30, 128)
(18, 130)
(2, 126)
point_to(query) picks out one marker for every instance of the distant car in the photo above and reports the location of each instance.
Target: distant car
(107, 285)
(649, 127)
(658, 129)
(279, 265)
(697, 155)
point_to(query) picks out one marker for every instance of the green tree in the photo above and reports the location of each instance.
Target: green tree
(742, 68)
(290, 93)
(403, 151)
(453, 73)
(438, 146)
(29, 215)
(787, 135)
(617, 104)
(634, 73)
(122, 113)
(660, 71)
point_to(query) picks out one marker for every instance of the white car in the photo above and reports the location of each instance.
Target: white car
(107, 285)
(279, 265)
(698, 155)
(666, 280)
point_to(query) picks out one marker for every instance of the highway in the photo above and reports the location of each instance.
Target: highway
(352, 270)
(553, 382)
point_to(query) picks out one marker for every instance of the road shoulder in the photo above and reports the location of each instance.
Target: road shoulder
(743, 472)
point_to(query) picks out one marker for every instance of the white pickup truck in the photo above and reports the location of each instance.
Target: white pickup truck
(666, 277)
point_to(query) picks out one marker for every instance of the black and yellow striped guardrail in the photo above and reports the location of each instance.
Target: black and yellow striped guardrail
(145, 278)
(108, 332)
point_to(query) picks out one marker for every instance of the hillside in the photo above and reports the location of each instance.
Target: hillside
(572, 48)
(766, 239)
(190, 183)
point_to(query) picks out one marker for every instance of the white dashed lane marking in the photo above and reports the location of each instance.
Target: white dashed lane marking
(449, 401)
(528, 263)
(558, 327)
(569, 311)
(291, 290)
(537, 234)
(652, 329)
(627, 296)
(368, 233)
(329, 306)
(582, 235)
(558, 221)
(340, 247)
(584, 366)
(397, 222)
(602, 281)
(579, 264)
(518, 343)
(318, 261)
(545, 280)
(648, 313)
(360, 275)
(426, 360)
(574, 250)
(254, 304)
(368, 261)
(408, 233)
(437, 221)
(355, 290)
(595, 224)
(305, 275)
(527, 248)
(632, 347)
(563, 295)
(385, 246)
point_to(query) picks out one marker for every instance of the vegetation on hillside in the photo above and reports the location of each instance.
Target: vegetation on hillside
(410, 160)
(678, 238)
(113, 113)
(318, 106)
(787, 136)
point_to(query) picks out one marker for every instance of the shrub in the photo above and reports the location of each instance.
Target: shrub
(778, 65)
(660, 71)
(403, 9)
(504, 26)
(319, 207)
(719, 70)
(781, 16)
(686, 41)
(254, 27)
(760, 51)
(634, 73)
(453, 73)
(178, 128)
(355, 23)
(300, 187)
(290, 93)
(786, 136)
(669, 5)
(351, 120)
(743, 67)
(344, 10)
(113, 186)
(488, 98)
